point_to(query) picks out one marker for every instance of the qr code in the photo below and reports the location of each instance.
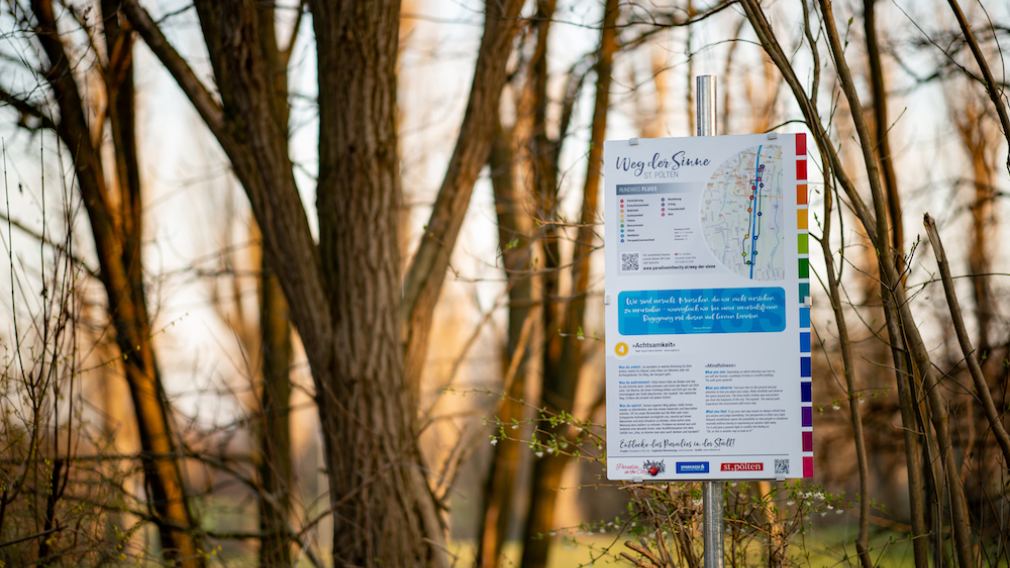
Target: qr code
(781, 467)
(629, 262)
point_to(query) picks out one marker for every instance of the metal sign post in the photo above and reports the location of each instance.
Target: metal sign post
(712, 522)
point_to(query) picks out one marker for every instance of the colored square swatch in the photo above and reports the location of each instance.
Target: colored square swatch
(804, 268)
(808, 441)
(802, 243)
(804, 366)
(808, 466)
(804, 291)
(804, 317)
(801, 170)
(801, 194)
(805, 342)
(806, 392)
(801, 144)
(801, 219)
(808, 416)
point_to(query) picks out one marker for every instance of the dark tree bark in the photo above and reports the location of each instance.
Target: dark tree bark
(849, 372)
(896, 303)
(367, 408)
(974, 368)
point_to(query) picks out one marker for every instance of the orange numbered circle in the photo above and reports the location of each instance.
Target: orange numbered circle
(621, 349)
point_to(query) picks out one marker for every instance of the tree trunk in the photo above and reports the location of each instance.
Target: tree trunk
(972, 127)
(514, 230)
(982, 391)
(563, 345)
(849, 372)
(366, 407)
(547, 470)
(276, 471)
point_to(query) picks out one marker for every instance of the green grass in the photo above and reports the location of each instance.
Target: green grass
(828, 547)
(601, 550)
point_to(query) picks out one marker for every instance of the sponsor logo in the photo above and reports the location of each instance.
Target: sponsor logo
(743, 466)
(692, 467)
(654, 468)
(630, 469)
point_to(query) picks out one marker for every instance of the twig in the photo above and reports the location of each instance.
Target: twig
(981, 387)
(988, 80)
(30, 537)
(58, 247)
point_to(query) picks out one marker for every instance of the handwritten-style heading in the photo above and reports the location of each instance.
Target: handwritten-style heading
(660, 162)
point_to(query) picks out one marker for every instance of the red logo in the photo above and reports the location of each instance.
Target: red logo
(655, 467)
(743, 466)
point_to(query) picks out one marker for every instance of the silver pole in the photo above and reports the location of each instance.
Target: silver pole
(712, 525)
(705, 105)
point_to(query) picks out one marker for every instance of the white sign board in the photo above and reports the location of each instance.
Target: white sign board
(708, 308)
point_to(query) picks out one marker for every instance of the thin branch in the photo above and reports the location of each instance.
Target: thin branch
(996, 95)
(59, 247)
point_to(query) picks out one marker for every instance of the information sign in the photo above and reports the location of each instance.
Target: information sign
(708, 308)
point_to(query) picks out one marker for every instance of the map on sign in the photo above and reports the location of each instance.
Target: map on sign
(741, 213)
(707, 308)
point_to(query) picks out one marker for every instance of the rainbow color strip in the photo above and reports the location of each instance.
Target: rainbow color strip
(803, 251)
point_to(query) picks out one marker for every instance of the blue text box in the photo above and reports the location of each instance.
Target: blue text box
(706, 310)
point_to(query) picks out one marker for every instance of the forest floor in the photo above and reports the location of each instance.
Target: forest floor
(826, 547)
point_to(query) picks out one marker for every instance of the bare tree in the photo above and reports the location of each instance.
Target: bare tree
(901, 324)
(365, 341)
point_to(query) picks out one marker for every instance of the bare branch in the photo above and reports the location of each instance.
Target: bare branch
(996, 95)
(426, 275)
(27, 109)
(198, 94)
(975, 370)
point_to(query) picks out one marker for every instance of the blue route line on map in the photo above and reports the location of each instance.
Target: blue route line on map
(755, 210)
